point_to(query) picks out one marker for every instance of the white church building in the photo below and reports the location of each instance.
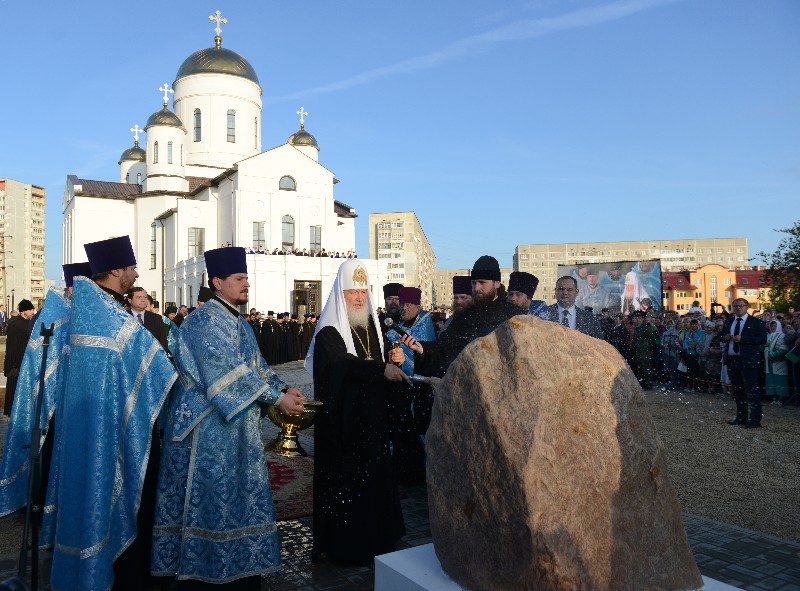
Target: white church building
(202, 181)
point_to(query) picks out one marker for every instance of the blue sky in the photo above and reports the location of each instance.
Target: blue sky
(498, 122)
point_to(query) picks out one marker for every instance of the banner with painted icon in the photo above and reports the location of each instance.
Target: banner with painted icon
(622, 286)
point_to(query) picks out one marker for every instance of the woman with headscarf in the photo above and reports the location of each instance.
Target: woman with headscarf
(776, 367)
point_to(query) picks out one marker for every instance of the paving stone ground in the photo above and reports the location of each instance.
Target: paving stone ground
(737, 556)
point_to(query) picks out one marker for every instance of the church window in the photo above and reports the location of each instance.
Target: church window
(231, 125)
(169, 153)
(138, 178)
(258, 234)
(153, 246)
(127, 177)
(287, 184)
(287, 231)
(255, 133)
(198, 118)
(196, 241)
(191, 294)
(155, 153)
(315, 240)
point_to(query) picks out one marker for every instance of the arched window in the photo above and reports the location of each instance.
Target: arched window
(287, 184)
(288, 231)
(127, 177)
(138, 178)
(231, 125)
(198, 119)
(155, 153)
(169, 153)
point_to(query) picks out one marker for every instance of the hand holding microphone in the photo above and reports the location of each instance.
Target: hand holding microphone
(405, 338)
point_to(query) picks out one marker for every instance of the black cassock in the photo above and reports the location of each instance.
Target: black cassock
(270, 340)
(16, 341)
(294, 340)
(305, 338)
(357, 511)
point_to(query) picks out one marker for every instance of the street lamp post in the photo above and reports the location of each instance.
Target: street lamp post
(12, 298)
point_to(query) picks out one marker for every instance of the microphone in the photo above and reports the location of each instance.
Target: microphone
(389, 323)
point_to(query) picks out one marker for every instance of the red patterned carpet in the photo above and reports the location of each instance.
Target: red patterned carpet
(291, 480)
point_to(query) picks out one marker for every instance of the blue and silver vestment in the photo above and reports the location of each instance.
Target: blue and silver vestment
(117, 381)
(215, 520)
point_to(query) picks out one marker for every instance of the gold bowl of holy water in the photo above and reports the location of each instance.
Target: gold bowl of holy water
(286, 443)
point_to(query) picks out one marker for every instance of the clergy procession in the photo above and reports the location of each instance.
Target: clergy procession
(151, 472)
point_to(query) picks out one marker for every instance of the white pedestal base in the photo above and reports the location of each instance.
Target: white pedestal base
(418, 569)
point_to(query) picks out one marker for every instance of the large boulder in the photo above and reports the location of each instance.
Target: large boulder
(545, 471)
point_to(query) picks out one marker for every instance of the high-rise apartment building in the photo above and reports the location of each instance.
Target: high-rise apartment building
(21, 243)
(676, 255)
(398, 238)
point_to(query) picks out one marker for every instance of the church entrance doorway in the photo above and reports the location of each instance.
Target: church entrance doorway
(306, 298)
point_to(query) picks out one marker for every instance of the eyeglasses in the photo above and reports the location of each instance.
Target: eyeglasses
(739, 306)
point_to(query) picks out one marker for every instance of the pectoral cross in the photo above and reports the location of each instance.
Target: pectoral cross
(220, 20)
(166, 90)
(136, 131)
(302, 112)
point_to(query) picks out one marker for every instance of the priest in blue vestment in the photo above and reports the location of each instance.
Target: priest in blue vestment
(521, 287)
(15, 467)
(117, 381)
(215, 521)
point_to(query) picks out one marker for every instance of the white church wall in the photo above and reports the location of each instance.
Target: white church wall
(168, 173)
(93, 219)
(194, 214)
(205, 92)
(132, 171)
(148, 207)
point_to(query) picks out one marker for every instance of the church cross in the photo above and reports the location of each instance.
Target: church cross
(220, 20)
(302, 112)
(166, 90)
(136, 131)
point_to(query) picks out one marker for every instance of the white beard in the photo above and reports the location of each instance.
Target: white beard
(358, 319)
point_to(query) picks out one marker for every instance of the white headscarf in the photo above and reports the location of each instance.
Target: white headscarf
(352, 275)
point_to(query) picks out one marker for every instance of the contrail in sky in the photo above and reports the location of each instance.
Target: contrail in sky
(525, 29)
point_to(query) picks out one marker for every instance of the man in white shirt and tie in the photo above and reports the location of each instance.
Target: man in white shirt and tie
(139, 303)
(566, 313)
(744, 334)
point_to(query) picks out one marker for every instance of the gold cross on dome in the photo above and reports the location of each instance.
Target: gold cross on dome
(136, 131)
(166, 90)
(302, 112)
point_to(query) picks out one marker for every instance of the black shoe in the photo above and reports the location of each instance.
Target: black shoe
(736, 422)
(752, 426)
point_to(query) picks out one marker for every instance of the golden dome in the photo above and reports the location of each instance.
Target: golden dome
(303, 138)
(134, 153)
(217, 60)
(164, 117)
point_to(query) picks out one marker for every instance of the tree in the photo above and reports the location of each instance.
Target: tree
(783, 275)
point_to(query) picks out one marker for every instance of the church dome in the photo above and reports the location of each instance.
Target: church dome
(165, 117)
(134, 153)
(303, 138)
(217, 60)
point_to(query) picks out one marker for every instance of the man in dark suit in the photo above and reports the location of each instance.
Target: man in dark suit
(565, 312)
(139, 302)
(744, 335)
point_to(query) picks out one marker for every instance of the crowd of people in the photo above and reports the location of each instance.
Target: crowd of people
(690, 352)
(304, 252)
(166, 477)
